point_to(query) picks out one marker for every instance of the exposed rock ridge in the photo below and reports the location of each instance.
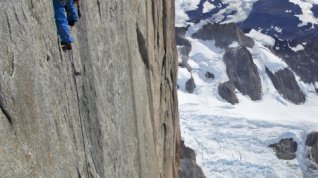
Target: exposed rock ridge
(243, 72)
(285, 83)
(224, 35)
(107, 109)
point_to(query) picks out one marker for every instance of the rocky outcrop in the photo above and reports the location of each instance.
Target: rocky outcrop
(184, 52)
(285, 149)
(227, 92)
(223, 35)
(209, 75)
(106, 109)
(285, 83)
(180, 36)
(188, 166)
(304, 62)
(312, 142)
(242, 72)
(190, 85)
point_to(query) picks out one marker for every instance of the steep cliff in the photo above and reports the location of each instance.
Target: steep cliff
(106, 109)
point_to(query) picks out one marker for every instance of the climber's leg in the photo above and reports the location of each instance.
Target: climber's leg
(61, 23)
(71, 10)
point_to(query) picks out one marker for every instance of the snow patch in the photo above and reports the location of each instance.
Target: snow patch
(235, 11)
(207, 7)
(262, 38)
(181, 7)
(307, 15)
(299, 47)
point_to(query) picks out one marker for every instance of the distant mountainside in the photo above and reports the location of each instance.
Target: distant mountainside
(248, 79)
(291, 26)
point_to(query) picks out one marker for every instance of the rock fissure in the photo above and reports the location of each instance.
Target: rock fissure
(82, 125)
(6, 113)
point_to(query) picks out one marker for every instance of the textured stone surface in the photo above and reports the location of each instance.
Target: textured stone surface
(188, 166)
(285, 149)
(224, 35)
(243, 72)
(286, 84)
(107, 109)
(227, 92)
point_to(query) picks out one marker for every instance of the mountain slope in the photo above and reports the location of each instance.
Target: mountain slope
(232, 140)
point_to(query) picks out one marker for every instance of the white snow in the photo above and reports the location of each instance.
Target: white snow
(262, 38)
(307, 15)
(277, 29)
(181, 7)
(207, 7)
(241, 8)
(232, 140)
(299, 47)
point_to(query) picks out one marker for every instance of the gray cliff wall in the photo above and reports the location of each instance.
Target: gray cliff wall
(107, 109)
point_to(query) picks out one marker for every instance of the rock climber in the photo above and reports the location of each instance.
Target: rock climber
(66, 14)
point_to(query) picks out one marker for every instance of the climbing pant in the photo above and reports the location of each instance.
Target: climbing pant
(63, 14)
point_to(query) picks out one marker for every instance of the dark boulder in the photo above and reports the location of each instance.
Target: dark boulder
(227, 92)
(188, 166)
(190, 85)
(209, 75)
(285, 149)
(224, 35)
(312, 141)
(242, 72)
(286, 84)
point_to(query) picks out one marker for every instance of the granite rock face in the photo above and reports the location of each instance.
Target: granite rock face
(106, 109)
(242, 72)
(285, 83)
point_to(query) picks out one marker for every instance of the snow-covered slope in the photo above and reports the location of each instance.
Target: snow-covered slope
(232, 140)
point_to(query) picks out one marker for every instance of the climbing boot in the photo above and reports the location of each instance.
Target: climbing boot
(66, 46)
(71, 23)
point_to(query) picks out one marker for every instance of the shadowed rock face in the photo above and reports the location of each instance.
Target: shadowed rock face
(227, 92)
(188, 165)
(305, 62)
(312, 141)
(242, 72)
(224, 35)
(106, 109)
(184, 52)
(285, 83)
(285, 149)
(180, 36)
